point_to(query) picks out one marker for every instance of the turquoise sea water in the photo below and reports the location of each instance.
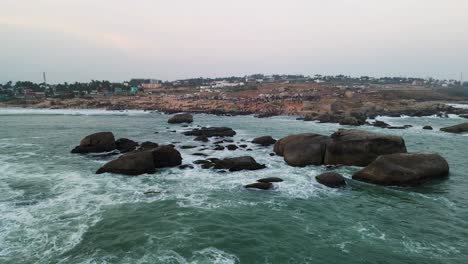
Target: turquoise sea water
(54, 209)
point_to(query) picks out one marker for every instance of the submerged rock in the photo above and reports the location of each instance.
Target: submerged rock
(231, 147)
(427, 127)
(270, 179)
(95, 143)
(181, 118)
(260, 185)
(331, 179)
(404, 169)
(460, 128)
(211, 132)
(302, 149)
(202, 139)
(355, 147)
(264, 141)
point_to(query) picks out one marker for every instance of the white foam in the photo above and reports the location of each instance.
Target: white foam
(85, 112)
(462, 106)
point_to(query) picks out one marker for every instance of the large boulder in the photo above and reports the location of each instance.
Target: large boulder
(302, 149)
(166, 156)
(211, 132)
(404, 169)
(355, 147)
(460, 128)
(238, 164)
(140, 162)
(130, 164)
(95, 143)
(181, 118)
(125, 145)
(331, 179)
(264, 141)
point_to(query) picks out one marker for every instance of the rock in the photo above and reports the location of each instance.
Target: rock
(238, 164)
(260, 185)
(272, 154)
(270, 179)
(181, 118)
(187, 147)
(404, 169)
(231, 147)
(355, 147)
(211, 132)
(302, 149)
(427, 127)
(130, 164)
(95, 143)
(264, 141)
(331, 179)
(202, 139)
(200, 154)
(143, 161)
(228, 140)
(460, 128)
(380, 124)
(243, 146)
(125, 145)
(166, 156)
(463, 115)
(219, 147)
(185, 166)
(147, 145)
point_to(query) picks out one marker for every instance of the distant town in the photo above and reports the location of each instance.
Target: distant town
(200, 86)
(262, 95)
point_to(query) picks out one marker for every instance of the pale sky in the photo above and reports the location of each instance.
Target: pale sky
(80, 40)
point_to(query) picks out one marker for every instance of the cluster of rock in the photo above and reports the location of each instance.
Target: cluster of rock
(385, 156)
(350, 147)
(136, 159)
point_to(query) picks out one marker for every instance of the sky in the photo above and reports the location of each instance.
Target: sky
(80, 40)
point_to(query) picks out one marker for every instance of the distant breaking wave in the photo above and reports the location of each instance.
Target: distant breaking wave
(85, 112)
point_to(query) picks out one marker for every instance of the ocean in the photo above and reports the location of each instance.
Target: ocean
(55, 209)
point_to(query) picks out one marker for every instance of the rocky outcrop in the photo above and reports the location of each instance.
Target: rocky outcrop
(460, 128)
(125, 145)
(404, 169)
(140, 162)
(355, 147)
(264, 141)
(238, 164)
(181, 118)
(350, 119)
(302, 149)
(331, 179)
(211, 132)
(95, 143)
